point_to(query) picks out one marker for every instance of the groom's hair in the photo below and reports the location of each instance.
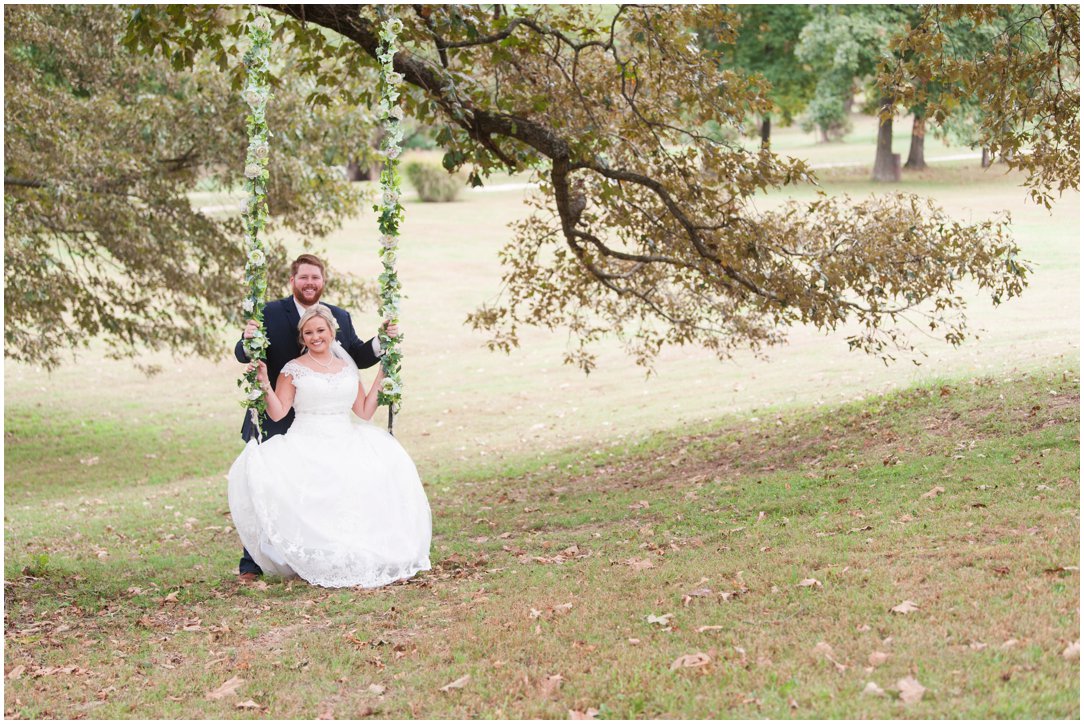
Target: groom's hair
(306, 259)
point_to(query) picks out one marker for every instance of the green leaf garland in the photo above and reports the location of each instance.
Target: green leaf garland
(256, 94)
(390, 210)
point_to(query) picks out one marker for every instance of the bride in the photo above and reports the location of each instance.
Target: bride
(335, 501)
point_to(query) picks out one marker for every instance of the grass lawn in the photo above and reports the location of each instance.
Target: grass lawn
(552, 494)
(769, 552)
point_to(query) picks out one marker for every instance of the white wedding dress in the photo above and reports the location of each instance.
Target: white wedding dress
(336, 501)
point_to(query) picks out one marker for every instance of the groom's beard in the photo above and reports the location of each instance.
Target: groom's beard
(307, 297)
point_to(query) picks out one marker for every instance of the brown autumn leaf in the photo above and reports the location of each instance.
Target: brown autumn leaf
(1072, 652)
(704, 629)
(16, 672)
(911, 691)
(171, 598)
(250, 704)
(377, 689)
(905, 607)
(228, 688)
(639, 564)
(457, 684)
(810, 583)
(551, 685)
(690, 661)
(663, 620)
(877, 658)
(933, 492)
(591, 713)
(873, 690)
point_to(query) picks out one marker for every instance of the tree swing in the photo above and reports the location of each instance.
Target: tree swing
(256, 94)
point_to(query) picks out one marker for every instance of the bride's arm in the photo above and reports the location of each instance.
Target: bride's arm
(365, 404)
(281, 398)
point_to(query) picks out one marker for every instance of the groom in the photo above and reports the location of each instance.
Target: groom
(280, 320)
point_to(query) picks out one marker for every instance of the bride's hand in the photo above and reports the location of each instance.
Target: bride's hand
(261, 375)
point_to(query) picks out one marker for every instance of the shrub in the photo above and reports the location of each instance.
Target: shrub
(433, 183)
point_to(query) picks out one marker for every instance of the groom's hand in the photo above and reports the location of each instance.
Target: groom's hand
(250, 329)
(391, 329)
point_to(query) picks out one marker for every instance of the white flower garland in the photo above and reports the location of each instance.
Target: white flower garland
(390, 210)
(256, 94)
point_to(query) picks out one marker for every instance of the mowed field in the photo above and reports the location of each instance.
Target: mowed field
(551, 490)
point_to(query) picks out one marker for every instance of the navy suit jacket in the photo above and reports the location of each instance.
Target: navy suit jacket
(280, 320)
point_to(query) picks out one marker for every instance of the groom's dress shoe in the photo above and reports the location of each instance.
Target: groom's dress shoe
(247, 577)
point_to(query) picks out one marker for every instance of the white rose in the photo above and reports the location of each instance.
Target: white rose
(253, 170)
(257, 257)
(387, 241)
(393, 25)
(395, 78)
(244, 206)
(252, 96)
(262, 23)
(255, 394)
(397, 113)
(247, 305)
(261, 151)
(393, 152)
(389, 257)
(390, 196)
(388, 386)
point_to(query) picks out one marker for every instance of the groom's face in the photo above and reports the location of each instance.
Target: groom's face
(307, 284)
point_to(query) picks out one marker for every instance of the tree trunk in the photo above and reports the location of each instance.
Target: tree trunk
(766, 131)
(986, 160)
(916, 157)
(886, 166)
(824, 134)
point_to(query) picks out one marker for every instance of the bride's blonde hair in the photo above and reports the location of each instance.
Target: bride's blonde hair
(316, 310)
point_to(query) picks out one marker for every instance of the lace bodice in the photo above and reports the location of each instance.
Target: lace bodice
(322, 393)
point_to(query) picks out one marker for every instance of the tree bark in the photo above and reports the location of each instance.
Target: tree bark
(355, 172)
(986, 160)
(916, 157)
(886, 166)
(766, 131)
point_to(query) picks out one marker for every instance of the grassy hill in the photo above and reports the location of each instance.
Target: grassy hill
(769, 551)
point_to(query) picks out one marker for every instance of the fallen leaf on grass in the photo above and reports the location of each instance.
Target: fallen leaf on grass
(634, 642)
(639, 564)
(933, 492)
(1072, 652)
(228, 688)
(910, 690)
(377, 689)
(873, 690)
(825, 650)
(591, 713)
(457, 684)
(171, 598)
(877, 658)
(810, 583)
(663, 620)
(703, 629)
(16, 672)
(690, 661)
(250, 704)
(905, 607)
(551, 685)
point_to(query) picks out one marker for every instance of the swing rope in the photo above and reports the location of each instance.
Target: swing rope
(256, 94)
(254, 213)
(390, 212)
